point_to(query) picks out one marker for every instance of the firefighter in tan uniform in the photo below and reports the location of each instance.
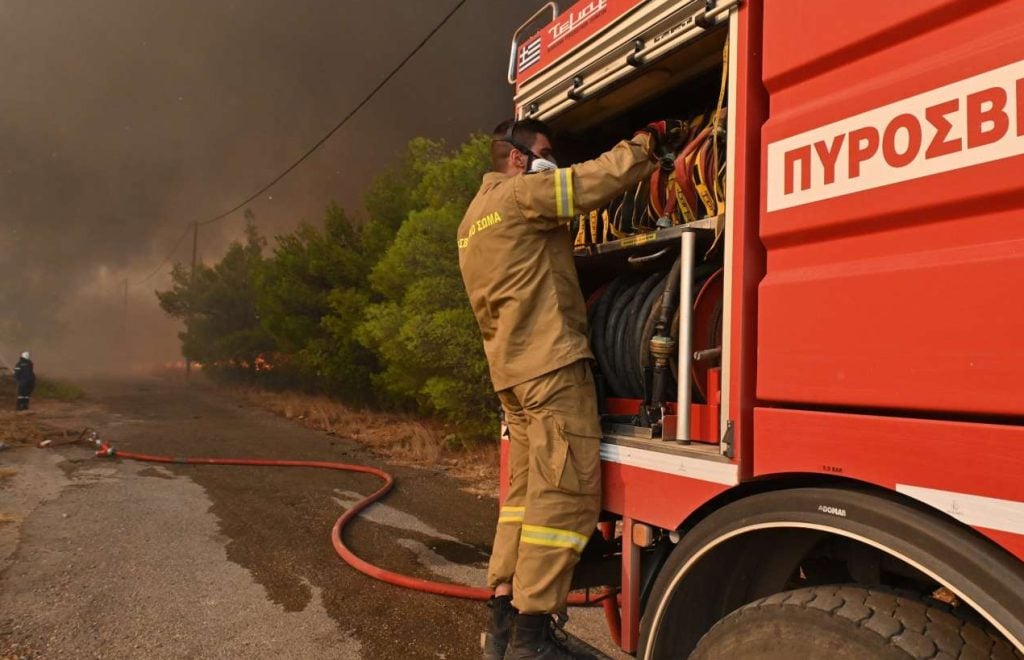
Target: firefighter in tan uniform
(516, 257)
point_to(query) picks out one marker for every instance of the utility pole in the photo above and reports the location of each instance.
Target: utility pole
(124, 318)
(191, 283)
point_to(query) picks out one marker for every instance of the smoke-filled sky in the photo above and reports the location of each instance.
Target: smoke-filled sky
(121, 121)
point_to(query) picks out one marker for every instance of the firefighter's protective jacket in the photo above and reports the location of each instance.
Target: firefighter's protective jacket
(24, 374)
(516, 257)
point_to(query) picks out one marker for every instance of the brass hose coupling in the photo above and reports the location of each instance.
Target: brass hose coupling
(662, 349)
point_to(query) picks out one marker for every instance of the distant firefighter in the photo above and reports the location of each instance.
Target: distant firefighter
(25, 377)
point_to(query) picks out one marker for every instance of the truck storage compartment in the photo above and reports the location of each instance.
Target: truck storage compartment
(634, 264)
(892, 208)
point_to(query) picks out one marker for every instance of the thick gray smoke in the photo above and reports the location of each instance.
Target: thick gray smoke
(123, 120)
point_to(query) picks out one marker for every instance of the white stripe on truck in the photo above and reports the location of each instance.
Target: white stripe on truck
(974, 510)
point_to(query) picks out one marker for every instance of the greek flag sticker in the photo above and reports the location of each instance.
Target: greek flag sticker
(529, 54)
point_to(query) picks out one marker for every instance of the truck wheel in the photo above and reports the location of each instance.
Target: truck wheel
(756, 546)
(842, 622)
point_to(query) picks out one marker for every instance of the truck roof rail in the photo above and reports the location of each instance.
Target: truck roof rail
(512, 68)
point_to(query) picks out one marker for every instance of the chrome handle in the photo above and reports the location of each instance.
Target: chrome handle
(553, 6)
(642, 259)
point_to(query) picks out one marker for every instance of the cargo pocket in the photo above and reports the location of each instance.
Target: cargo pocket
(581, 467)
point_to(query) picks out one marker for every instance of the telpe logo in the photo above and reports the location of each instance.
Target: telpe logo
(576, 20)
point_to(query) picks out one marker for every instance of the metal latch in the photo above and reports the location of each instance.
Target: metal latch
(701, 19)
(633, 58)
(574, 93)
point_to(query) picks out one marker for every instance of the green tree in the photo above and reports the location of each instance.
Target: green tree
(422, 328)
(312, 294)
(357, 310)
(218, 306)
(393, 195)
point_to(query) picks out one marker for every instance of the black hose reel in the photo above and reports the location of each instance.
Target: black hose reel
(634, 327)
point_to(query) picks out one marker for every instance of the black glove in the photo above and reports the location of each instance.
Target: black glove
(666, 139)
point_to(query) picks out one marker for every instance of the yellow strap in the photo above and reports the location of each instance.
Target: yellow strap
(581, 233)
(707, 199)
(720, 187)
(615, 227)
(718, 164)
(716, 157)
(701, 185)
(683, 204)
(721, 96)
(553, 537)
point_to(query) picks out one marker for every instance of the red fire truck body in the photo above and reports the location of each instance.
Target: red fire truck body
(867, 412)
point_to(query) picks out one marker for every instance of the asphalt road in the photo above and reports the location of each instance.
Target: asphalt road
(118, 559)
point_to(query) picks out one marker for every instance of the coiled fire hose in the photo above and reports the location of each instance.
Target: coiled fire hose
(606, 598)
(622, 316)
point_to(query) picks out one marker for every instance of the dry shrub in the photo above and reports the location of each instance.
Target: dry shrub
(19, 429)
(401, 438)
(59, 422)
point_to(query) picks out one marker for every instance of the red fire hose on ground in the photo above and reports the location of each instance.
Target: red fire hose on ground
(607, 599)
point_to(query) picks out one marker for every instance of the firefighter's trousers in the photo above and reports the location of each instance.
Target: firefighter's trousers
(24, 392)
(554, 495)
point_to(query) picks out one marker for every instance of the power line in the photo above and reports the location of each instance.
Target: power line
(165, 260)
(309, 152)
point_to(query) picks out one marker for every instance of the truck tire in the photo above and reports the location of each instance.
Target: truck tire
(723, 562)
(842, 622)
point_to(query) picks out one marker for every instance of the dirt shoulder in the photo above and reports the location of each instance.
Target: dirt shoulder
(401, 439)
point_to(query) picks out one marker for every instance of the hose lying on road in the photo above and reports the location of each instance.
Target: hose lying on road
(337, 538)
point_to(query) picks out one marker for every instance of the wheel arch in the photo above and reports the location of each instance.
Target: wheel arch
(720, 560)
(790, 480)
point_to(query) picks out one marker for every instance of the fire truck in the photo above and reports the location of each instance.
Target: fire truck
(807, 322)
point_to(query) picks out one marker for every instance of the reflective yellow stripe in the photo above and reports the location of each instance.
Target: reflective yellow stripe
(559, 203)
(567, 186)
(564, 207)
(511, 514)
(552, 537)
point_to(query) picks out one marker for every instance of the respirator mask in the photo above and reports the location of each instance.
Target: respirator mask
(540, 164)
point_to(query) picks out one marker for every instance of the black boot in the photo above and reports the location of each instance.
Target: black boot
(540, 637)
(495, 640)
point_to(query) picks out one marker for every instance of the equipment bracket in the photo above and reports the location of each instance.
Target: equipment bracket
(728, 448)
